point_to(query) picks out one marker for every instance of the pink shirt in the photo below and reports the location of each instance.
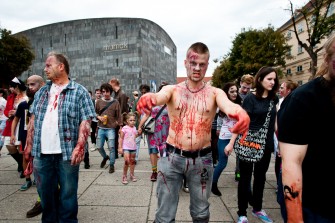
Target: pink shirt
(129, 137)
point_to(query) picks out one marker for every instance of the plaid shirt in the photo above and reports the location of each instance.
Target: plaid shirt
(75, 106)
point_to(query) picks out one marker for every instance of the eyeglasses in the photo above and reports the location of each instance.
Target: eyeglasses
(135, 94)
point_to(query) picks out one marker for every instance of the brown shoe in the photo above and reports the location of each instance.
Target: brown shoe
(111, 169)
(103, 162)
(153, 176)
(36, 210)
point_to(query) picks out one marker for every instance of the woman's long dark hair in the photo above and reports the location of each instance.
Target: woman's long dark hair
(260, 77)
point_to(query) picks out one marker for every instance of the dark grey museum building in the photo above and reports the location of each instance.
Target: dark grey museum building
(136, 51)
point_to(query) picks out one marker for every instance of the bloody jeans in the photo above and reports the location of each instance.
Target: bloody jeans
(199, 175)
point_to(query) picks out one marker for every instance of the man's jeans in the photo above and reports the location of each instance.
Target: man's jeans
(109, 136)
(199, 174)
(57, 186)
(138, 144)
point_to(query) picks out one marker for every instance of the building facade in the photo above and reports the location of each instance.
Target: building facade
(134, 50)
(298, 62)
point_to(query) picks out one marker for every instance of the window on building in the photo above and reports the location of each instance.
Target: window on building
(299, 83)
(299, 68)
(288, 71)
(65, 39)
(289, 34)
(300, 27)
(300, 49)
(331, 9)
(50, 41)
(117, 62)
(116, 34)
(289, 53)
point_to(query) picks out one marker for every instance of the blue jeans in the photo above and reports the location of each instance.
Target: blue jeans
(199, 175)
(57, 186)
(109, 136)
(223, 159)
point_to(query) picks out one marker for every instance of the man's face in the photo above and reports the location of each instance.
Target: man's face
(245, 88)
(33, 86)
(98, 94)
(283, 91)
(196, 65)
(106, 94)
(52, 68)
(143, 91)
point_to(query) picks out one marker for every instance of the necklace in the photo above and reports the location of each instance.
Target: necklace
(186, 84)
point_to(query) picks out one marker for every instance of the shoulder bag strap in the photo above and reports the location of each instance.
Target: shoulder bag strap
(160, 111)
(104, 108)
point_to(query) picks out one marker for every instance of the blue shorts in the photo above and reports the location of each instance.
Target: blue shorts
(153, 150)
(129, 151)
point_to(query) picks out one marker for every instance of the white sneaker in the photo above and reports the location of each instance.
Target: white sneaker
(242, 219)
(93, 148)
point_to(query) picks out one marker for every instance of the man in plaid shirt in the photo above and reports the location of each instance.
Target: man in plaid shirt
(57, 134)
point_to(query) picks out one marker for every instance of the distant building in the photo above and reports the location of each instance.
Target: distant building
(134, 50)
(298, 62)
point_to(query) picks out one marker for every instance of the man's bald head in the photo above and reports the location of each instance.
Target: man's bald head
(35, 82)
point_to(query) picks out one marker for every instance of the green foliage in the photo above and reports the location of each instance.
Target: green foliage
(251, 50)
(16, 55)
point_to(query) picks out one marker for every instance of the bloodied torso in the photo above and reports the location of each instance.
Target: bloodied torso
(191, 116)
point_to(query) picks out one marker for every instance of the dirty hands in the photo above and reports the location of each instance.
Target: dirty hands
(77, 155)
(146, 102)
(242, 124)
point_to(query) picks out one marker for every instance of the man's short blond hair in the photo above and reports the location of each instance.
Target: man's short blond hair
(248, 79)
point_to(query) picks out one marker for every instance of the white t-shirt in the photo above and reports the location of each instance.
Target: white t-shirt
(3, 103)
(50, 141)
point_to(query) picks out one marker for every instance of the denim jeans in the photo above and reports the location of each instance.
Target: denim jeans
(222, 158)
(57, 186)
(109, 136)
(199, 175)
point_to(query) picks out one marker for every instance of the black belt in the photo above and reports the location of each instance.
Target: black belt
(188, 154)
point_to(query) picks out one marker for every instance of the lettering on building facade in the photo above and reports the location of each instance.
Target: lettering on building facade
(116, 47)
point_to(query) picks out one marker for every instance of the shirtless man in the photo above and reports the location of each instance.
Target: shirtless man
(191, 107)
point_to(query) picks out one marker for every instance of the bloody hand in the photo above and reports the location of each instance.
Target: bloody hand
(242, 124)
(145, 103)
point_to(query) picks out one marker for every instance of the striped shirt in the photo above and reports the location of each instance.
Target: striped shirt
(75, 106)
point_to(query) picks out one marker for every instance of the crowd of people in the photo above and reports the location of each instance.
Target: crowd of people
(196, 129)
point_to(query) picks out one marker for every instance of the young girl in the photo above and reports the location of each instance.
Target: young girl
(127, 146)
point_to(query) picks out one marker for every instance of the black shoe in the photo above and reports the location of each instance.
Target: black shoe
(36, 210)
(87, 166)
(22, 174)
(111, 169)
(103, 162)
(215, 189)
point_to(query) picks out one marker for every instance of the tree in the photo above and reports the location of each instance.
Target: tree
(320, 24)
(251, 50)
(16, 55)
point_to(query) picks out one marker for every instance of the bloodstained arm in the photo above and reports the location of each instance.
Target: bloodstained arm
(292, 158)
(79, 151)
(30, 136)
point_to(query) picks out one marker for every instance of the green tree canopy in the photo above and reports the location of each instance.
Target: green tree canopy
(251, 50)
(16, 55)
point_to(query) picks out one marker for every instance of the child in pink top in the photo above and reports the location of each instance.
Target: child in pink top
(127, 146)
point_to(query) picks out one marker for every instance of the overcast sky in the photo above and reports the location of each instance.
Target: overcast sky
(213, 22)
